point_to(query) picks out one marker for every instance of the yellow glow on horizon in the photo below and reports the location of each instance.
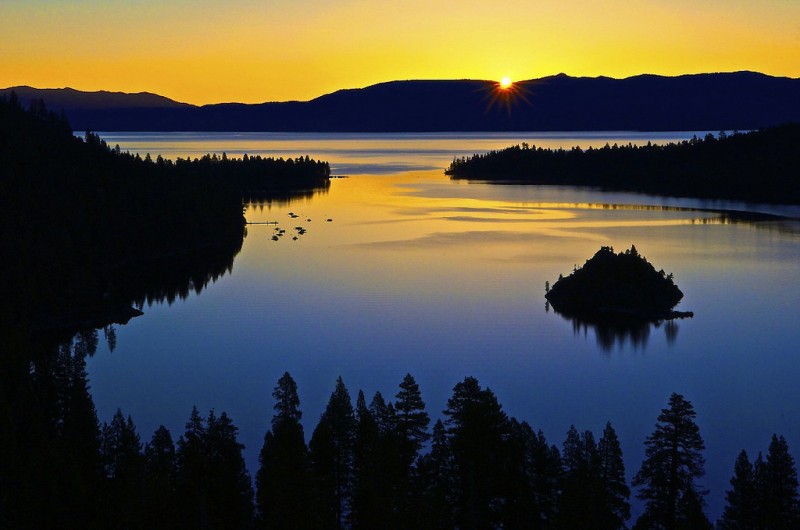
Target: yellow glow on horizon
(198, 51)
(505, 83)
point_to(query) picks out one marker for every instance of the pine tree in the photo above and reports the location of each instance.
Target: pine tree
(612, 475)
(436, 482)
(690, 515)
(331, 451)
(283, 481)
(740, 510)
(779, 482)
(160, 481)
(287, 401)
(412, 433)
(384, 416)
(476, 427)
(214, 487)
(412, 421)
(371, 506)
(192, 473)
(394, 484)
(547, 477)
(673, 460)
(231, 487)
(759, 489)
(78, 471)
(121, 448)
(388, 448)
(123, 462)
(520, 509)
(582, 500)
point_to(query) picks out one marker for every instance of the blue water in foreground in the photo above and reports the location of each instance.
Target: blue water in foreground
(443, 279)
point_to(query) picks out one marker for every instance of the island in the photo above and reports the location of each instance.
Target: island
(620, 287)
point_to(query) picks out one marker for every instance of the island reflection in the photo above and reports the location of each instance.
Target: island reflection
(614, 333)
(620, 295)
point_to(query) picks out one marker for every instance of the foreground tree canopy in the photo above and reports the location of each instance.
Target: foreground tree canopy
(667, 478)
(365, 468)
(759, 166)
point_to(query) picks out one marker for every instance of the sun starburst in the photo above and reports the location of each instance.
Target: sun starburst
(506, 94)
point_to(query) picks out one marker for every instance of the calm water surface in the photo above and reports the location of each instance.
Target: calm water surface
(416, 273)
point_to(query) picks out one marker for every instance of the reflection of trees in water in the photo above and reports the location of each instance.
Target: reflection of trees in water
(671, 331)
(783, 223)
(178, 278)
(611, 332)
(283, 197)
(108, 300)
(139, 280)
(763, 221)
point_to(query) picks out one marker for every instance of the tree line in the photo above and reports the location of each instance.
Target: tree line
(758, 166)
(81, 223)
(372, 464)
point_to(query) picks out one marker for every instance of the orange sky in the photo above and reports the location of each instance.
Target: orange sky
(208, 51)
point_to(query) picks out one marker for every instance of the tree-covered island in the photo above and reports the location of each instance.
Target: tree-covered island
(618, 286)
(758, 166)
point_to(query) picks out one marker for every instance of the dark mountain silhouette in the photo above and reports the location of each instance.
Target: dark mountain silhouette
(69, 98)
(739, 100)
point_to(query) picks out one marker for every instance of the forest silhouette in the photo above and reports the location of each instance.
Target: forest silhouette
(376, 465)
(758, 166)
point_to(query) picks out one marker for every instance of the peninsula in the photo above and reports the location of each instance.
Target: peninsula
(758, 166)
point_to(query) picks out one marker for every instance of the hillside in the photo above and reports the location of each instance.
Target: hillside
(740, 100)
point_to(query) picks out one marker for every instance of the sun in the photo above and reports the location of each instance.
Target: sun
(506, 94)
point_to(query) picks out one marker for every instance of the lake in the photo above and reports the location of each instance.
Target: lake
(401, 270)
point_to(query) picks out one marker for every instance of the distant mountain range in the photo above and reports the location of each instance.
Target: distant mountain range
(739, 100)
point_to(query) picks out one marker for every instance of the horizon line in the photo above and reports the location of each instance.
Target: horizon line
(560, 74)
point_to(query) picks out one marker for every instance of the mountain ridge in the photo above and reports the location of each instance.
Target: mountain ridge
(713, 101)
(69, 97)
